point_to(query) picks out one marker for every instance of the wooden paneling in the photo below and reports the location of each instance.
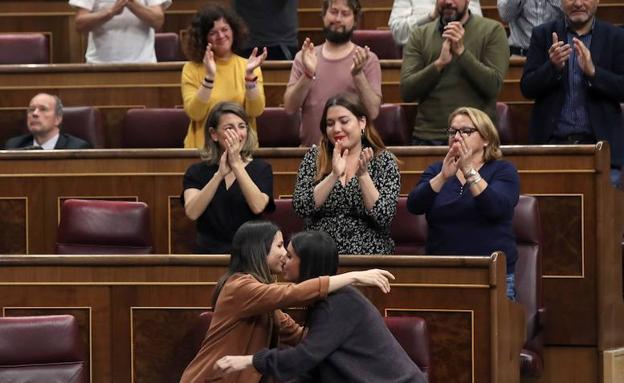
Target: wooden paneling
(116, 88)
(145, 308)
(580, 213)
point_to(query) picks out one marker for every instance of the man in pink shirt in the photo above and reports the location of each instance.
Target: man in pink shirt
(336, 66)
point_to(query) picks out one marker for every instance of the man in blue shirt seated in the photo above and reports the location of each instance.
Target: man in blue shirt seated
(44, 117)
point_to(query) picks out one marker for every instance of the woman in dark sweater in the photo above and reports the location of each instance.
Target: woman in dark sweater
(229, 187)
(469, 197)
(347, 339)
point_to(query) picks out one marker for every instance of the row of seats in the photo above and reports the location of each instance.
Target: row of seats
(34, 48)
(60, 353)
(113, 227)
(167, 127)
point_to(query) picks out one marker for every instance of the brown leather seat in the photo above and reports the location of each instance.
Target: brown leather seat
(285, 217)
(527, 228)
(408, 231)
(379, 41)
(84, 122)
(167, 46)
(24, 48)
(41, 349)
(411, 333)
(154, 128)
(104, 227)
(276, 128)
(391, 123)
(504, 124)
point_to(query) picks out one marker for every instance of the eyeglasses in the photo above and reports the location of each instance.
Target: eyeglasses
(467, 131)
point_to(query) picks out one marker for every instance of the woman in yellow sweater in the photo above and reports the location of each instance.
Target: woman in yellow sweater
(215, 73)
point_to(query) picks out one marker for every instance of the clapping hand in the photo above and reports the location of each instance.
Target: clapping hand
(233, 146)
(366, 155)
(454, 32)
(559, 53)
(224, 166)
(583, 57)
(339, 160)
(209, 62)
(360, 58)
(445, 55)
(118, 7)
(308, 56)
(254, 61)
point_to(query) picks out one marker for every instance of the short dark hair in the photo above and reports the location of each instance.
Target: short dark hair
(317, 252)
(196, 35)
(355, 6)
(250, 246)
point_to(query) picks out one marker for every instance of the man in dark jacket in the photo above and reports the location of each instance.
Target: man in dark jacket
(575, 73)
(45, 114)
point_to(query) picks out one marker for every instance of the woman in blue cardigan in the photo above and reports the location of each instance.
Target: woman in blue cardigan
(469, 197)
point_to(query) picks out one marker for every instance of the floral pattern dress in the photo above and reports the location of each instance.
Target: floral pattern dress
(343, 215)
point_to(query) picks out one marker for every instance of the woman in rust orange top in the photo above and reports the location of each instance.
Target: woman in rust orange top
(246, 303)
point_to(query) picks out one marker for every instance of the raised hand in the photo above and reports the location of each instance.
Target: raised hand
(449, 164)
(559, 53)
(445, 55)
(339, 160)
(308, 56)
(209, 62)
(118, 7)
(583, 58)
(255, 60)
(374, 277)
(454, 32)
(464, 157)
(233, 146)
(366, 155)
(360, 57)
(224, 166)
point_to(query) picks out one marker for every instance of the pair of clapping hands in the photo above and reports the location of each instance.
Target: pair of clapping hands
(339, 160)
(309, 59)
(231, 156)
(559, 53)
(253, 62)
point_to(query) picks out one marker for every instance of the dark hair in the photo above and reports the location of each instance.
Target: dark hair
(317, 252)
(370, 137)
(250, 246)
(211, 152)
(355, 6)
(196, 35)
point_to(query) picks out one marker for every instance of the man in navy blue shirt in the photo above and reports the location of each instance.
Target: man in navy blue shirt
(575, 73)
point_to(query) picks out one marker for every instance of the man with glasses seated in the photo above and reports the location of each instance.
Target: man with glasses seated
(459, 59)
(469, 197)
(45, 114)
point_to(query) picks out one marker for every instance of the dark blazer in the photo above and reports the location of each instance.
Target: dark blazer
(542, 82)
(65, 141)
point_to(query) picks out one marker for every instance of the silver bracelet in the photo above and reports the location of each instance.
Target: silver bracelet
(474, 181)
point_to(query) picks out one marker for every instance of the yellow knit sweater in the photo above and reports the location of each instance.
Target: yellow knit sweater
(229, 85)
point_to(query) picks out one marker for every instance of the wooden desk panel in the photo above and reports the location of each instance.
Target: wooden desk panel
(577, 208)
(140, 309)
(115, 88)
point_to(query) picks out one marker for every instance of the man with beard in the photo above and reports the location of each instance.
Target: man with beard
(458, 60)
(335, 66)
(575, 73)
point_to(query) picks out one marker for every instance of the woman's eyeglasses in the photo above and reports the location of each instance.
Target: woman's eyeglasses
(467, 131)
